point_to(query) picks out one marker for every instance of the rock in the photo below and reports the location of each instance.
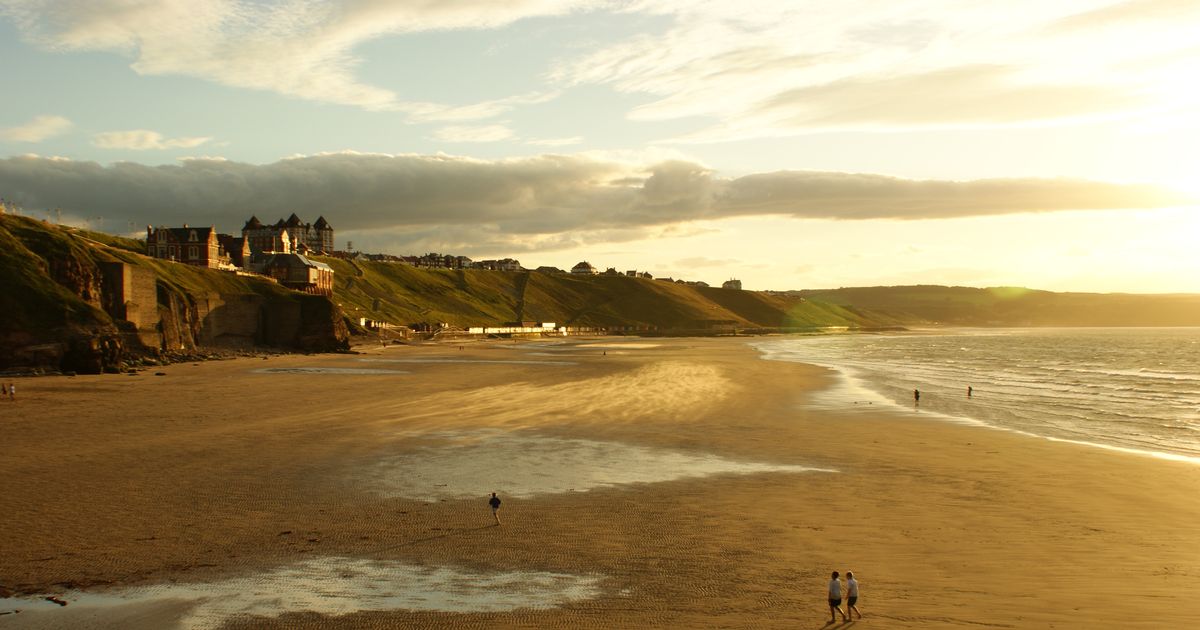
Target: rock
(160, 373)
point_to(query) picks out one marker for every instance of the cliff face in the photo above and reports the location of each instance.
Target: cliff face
(74, 304)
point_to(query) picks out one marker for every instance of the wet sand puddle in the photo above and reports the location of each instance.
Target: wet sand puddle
(326, 370)
(466, 465)
(329, 586)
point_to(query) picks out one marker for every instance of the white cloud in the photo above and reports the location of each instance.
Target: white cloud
(754, 68)
(466, 133)
(36, 130)
(299, 48)
(704, 261)
(555, 142)
(144, 140)
(761, 68)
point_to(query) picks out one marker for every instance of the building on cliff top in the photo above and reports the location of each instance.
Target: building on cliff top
(290, 236)
(295, 271)
(732, 284)
(191, 245)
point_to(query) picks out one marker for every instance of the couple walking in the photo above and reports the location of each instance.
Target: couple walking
(835, 597)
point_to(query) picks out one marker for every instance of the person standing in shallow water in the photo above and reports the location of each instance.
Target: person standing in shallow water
(917, 396)
(835, 598)
(495, 503)
(852, 595)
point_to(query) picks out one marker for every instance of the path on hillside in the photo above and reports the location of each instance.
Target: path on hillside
(519, 291)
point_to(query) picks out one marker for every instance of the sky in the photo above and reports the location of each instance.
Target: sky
(796, 144)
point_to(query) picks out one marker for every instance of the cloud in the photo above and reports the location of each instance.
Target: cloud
(298, 48)
(1122, 13)
(555, 142)
(144, 140)
(528, 204)
(36, 130)
(467, 133)
(703, 261)
(968, 96)
(765, 69)
(753, 68)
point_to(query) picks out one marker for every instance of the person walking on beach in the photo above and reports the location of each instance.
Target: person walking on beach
(495, 503)
(852, 595)
(970, 390)
(835, 599)
(917, 396)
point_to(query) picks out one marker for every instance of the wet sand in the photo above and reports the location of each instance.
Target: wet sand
(340, 495)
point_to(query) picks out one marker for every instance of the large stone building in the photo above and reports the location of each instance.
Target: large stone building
(290, 236)
(190, 245)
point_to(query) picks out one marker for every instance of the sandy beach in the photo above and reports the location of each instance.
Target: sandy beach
(646, 483)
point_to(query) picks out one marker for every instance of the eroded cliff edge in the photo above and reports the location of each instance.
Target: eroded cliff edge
(72, 303)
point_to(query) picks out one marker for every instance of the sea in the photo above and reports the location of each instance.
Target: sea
(1128, 389)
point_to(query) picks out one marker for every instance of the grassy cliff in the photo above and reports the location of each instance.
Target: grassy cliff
(403, 294)
(60, 310)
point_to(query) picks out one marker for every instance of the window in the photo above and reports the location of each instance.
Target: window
(193, 252)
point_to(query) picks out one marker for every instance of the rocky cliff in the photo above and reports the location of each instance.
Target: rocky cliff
(73, 303)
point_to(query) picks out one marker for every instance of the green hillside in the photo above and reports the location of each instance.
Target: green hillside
(402, 294)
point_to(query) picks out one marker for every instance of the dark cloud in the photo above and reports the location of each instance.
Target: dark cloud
(540, 203)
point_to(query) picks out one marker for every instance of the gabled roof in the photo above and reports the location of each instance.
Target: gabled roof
(292, 260)
(279, 224)
(322, 223)
(181, 234)
(294, 221)
(253, 224)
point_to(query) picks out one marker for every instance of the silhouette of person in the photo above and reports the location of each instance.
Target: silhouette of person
(917, 396)
(495, 503)
(970, 390)
(835, 598)
(852, 595)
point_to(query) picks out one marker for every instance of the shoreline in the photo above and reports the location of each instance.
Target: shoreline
(850, 388)
(943, 524)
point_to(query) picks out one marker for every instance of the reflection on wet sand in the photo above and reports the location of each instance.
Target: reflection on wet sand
(463, 465)
(330, 586)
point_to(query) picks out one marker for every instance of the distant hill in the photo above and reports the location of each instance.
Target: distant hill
(1014, 306)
